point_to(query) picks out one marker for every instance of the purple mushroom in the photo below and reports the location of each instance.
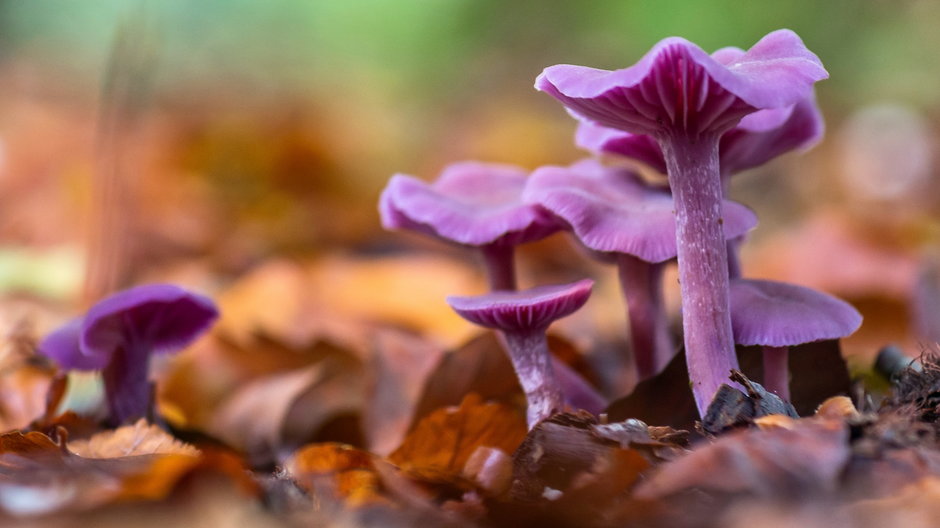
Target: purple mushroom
(119, 334)
(471, 204)
(777, 315)
(522, 317)
(686, 99)
(618, 216)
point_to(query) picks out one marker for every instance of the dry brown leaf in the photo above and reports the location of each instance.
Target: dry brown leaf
(479, 366)
(287, 409)
(804, 460)
(399, 369)
(441, 444)
(837, 407)
(25, 380)
(916, 505)
(345, 472)
(140, 438)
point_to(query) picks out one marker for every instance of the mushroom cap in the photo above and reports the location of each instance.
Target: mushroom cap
(778, 314)
(471, 203)
(62, 347)
(757, 139)
(676, 86)
(612, 210)
(160, 317)
(525, 310)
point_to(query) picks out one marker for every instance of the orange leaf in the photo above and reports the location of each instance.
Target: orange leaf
(442, 443)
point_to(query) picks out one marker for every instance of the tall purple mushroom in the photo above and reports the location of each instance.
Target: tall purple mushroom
(523, 317)
(119, 334)
(471, 204)
(618, 216)
(777, 315)
(686, 99)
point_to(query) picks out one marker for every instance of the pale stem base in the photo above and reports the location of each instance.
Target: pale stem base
(532, 362)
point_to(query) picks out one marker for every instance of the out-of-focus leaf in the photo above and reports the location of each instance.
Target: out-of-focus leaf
(438, 448)
(343, 471)
(40, 476)
(140, 438)
(479, 367)
(803, 461)
(399, 371)
(286, 409)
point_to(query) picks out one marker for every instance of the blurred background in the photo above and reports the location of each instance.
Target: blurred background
(201, 141)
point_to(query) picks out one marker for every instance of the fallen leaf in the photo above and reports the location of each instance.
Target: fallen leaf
(287, 409)
(399, 369)
(438, 448)
(480, 367)
(346, 473)
(140, 438)
(804, 461)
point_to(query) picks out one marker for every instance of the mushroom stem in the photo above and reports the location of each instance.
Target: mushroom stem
(530, 357)
(734, 257)
(692, 164)
(500, 270)
(126, 384)
(642, 285)
(776, 371)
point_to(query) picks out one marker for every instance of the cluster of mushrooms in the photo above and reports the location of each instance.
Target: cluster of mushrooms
(699, 119)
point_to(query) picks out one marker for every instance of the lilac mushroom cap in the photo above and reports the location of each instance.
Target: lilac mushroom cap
(522, 317)
(757, 138)
(471, 203)
(708, 93)
(531, 310)
(612, 210)
(119, 334)
(777, 314)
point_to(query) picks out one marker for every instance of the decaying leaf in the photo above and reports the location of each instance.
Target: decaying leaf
(438, 448)
(340, 470)
(399, 370)
(732, 408)
(40, 476)
(805, 460)
(140, 438)
(287, 409)
(479, 367)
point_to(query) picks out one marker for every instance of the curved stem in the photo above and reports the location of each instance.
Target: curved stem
(692, 164)
(642, 285)
(500, 269)
(529, 354)
(777, 371)
(126, 384)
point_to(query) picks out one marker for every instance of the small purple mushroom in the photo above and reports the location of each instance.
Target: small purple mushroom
(471, 204)
(119, 334)
(777, 315)
(618, 216)
(522, 317)
(686, 100)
